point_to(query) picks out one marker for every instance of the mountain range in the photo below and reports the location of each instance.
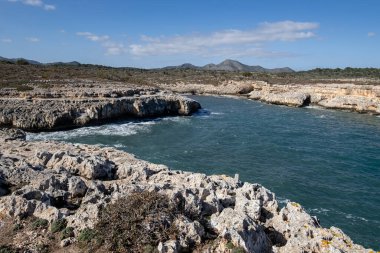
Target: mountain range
(226, 65)
(231, 65)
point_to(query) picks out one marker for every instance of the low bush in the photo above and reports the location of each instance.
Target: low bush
(58, 225)
(137, 223)
(67, 232)
(7, 249)
(86, 235)
(40, 223)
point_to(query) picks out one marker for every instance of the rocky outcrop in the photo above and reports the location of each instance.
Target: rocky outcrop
(61, 108)
(352, 97)
(358, 98)
(52, 180)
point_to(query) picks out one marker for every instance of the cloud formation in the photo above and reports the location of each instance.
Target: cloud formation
(371, 34)
(226, 43)
(6, 40)
(35, 3)
(33, 39)
(112, 48)
(227, 39)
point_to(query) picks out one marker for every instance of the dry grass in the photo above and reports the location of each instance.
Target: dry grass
(137, 223)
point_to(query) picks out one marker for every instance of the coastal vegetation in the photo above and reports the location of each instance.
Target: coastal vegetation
(16, 74)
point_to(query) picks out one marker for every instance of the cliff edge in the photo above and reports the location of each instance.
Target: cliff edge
(53, 196)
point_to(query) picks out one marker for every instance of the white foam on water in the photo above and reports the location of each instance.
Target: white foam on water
(178, 119)
(124, 129)
(317, 107)
(282, 201)
(119, 145)
(328, 212)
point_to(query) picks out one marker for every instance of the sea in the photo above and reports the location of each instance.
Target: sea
(326, 160)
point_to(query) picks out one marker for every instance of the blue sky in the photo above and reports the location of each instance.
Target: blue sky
(301, 34)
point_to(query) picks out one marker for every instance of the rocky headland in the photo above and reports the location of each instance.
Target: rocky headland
(53, 196)
(60, 197)
(340, 96)
(78, 103)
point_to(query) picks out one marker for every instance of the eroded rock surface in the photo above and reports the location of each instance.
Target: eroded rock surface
(52, 180)
(341, 96)
(84, 103)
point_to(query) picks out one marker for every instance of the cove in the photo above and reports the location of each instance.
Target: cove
(328, 161)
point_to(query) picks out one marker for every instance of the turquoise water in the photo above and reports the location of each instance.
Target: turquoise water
(329, 161)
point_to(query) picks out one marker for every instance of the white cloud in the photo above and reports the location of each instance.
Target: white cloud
(33, 2)
(36, 3)
(112, 48)
(371, 34)
(49, 7)
(199, 44)
(93, 37)
(33, 39)
(6, 40)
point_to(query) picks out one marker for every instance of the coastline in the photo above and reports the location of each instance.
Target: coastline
(336, 96)
(241, 215)
(108, 174)
(87, 103)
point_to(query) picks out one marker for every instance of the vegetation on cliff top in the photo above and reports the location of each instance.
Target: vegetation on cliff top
(15, 74)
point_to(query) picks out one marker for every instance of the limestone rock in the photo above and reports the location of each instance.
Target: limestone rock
(52, 180)
(241, 230)
(88, 105)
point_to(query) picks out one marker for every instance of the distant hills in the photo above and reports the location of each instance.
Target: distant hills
(231, 65)
(32, 62)
(227, 65)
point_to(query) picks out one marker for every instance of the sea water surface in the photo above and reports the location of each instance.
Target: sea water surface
(329, 161)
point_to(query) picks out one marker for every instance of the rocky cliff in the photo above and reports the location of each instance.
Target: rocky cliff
(55, 183)
(342, 96)
(86, 102)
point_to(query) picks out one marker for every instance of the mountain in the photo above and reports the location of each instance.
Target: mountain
(226, 65)
(231, 65)
(72, 63)
(18, 59)
(183, 66)
(32, 62)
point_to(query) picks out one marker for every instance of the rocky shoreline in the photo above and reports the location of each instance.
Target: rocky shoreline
(85, 103)
(53, 181)
(53, 195)
(337, 96)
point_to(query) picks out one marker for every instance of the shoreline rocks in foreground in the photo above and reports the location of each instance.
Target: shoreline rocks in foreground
(53, 181)
(85, 103)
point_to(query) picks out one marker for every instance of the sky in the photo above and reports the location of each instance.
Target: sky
(301, 34)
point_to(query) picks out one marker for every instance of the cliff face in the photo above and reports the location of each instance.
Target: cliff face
(52, 181)
(82, 104)
(358, 98)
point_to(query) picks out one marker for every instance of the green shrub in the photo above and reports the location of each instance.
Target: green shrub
(17, 227)
(7, 249)
(234, 249)
(67, 232)
(40, 223)
(86, 235)
(58, 225)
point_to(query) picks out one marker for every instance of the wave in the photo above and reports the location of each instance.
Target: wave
(317, 107)
(116, 129)
(329, 212)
